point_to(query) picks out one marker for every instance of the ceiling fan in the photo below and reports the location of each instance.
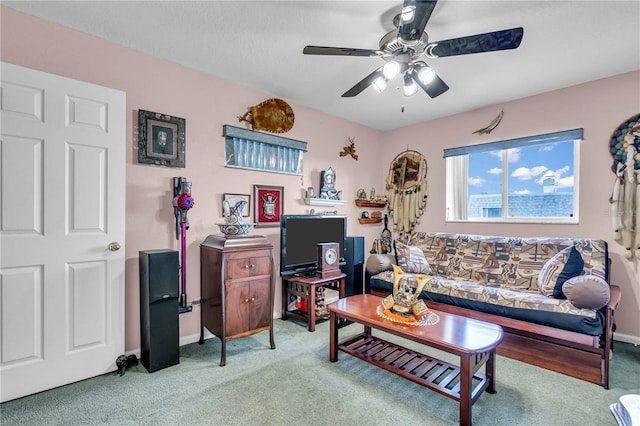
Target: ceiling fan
(403, 48)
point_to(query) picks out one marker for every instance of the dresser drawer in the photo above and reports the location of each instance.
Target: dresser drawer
(248, 267)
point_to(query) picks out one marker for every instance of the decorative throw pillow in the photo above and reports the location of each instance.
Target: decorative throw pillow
(587, 291)
(411, 259)
(572, 268)
(377, 263)
(566, 264)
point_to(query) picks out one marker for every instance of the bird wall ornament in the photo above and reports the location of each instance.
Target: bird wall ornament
(350, 150)
(494, 123)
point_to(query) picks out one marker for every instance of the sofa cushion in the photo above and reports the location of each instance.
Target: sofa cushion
(377, 263)
(525, 306)
(566, 264)
(587, 291)
(411, 259)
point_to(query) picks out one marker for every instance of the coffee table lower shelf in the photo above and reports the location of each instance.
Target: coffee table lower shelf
(426, 371)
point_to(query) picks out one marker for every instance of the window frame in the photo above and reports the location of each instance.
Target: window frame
(453, 173)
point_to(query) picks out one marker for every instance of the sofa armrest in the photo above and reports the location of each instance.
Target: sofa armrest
(614, 299)
(377, 263)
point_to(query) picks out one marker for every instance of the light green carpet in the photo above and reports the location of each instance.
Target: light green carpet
(296, 384)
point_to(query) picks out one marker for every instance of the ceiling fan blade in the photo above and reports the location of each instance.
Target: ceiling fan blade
(341, 51)
(435, 88)
(363, 84)
(411, 31)
(487, 42)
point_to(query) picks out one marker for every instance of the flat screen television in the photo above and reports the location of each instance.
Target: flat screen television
(299, 236)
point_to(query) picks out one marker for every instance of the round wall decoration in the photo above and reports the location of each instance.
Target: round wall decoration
(272, 115)
(625, 198)
(627, 133)
(406, 186)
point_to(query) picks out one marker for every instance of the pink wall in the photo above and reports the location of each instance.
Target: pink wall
(207, 103)
(598, 107)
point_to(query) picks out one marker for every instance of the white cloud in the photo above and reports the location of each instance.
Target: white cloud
(562, 171)
(558, 173)
(525, 173)
(546, 148)
(513, 154)
(476, 181)
(565, 182)
(523, 192)
(495, 171)
(538, 170)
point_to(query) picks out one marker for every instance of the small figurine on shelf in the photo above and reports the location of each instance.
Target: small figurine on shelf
(362, 194)
(327, 185)
(372, 195)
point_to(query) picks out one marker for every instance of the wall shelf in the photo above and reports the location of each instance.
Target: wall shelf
(323, 202)
(373, 204)
(363, 220)
(248, 149)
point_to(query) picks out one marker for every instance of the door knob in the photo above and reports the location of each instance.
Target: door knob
(114, 246)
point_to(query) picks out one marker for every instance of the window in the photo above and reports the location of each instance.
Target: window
(531, 179)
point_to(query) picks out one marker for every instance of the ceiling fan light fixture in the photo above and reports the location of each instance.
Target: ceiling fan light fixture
(407, 14)
(380, 83)
(390, 69)
(426, 74)
(410, 87)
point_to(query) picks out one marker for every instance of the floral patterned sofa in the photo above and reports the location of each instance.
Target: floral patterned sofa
(551, 295)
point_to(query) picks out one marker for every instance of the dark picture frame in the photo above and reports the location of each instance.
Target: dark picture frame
(268, 205)
(161, 139)
(234, 198)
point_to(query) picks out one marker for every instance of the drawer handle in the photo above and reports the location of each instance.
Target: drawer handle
(249, 266)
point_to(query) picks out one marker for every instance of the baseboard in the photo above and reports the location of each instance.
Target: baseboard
(186, 340)
(626, 338)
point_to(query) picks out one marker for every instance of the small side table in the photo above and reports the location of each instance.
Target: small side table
(306, 288)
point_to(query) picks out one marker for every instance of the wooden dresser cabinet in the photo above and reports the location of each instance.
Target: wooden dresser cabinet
(237, 284)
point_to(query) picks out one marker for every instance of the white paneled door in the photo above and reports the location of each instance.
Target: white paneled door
(62, 194)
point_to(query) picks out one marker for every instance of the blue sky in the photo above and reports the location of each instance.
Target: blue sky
(526, 166)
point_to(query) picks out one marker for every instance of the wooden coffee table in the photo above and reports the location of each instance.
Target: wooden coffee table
(473, 341)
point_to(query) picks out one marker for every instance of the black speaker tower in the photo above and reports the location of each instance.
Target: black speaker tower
(354, 268)
(159, 294)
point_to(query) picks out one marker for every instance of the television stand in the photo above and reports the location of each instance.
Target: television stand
(305, 287)
(307, 274)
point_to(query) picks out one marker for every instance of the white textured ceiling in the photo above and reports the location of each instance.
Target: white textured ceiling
(259, 44)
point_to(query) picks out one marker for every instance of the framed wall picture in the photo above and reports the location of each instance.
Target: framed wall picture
(268, 202)
(233, 199)
(161, 139)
